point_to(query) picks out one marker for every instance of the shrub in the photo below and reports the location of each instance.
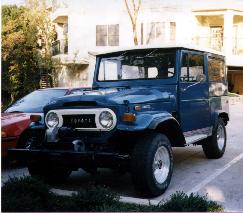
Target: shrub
(233, 94)
(29, 194)
(95, 199)
(26, 194)
(180, 202)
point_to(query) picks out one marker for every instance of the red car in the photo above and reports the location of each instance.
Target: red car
(16, 119)
(13, 125)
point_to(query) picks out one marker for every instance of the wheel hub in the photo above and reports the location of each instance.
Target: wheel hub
(161, 164)
(220, 137)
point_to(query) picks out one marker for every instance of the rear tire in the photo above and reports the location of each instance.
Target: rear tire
(214, 146)
(152, 164)
(48, 173)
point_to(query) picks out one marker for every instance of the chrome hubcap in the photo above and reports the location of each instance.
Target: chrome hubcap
(161, 164)
(220, 137)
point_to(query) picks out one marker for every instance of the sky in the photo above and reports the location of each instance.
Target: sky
(7, 2)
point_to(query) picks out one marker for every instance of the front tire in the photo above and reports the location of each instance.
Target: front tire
(214, 146)
(152, 164)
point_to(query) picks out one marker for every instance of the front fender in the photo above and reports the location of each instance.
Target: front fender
(145, 121)
(36, 125)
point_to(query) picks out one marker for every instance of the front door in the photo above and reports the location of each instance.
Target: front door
(194, 105)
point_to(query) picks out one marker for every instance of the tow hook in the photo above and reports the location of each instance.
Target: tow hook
(78, 146)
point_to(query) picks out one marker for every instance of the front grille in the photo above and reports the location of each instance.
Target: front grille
(79, 121)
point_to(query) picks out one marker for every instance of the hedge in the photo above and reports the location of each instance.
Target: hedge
(27, 194)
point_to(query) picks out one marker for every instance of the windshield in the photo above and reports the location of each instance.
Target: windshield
(142, 64)
(35, 101)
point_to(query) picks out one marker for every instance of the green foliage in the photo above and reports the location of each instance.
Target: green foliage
(180, 202)
(19, 68)
(231, 94)
(28, 194)
(22, 58)
(95, 199)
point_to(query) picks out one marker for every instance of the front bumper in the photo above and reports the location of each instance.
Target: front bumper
(71, 158)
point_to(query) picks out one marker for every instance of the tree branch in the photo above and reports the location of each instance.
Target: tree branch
(133, 14)
(129, 12)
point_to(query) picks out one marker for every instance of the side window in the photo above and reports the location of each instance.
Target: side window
(216, 69)
(191, 67)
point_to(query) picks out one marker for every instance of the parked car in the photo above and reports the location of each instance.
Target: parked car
(16, 118)
(146, 100)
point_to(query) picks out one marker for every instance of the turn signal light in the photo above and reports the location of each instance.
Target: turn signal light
(137, 108)
(3, 134)
(128, 117)
(35, 118)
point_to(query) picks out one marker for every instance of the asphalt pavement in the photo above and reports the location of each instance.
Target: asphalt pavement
(221, 179)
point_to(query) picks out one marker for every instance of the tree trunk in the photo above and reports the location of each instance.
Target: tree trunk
(133, 14)
(135, 35)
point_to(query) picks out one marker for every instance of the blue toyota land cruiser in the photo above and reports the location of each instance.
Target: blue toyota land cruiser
(143, 102)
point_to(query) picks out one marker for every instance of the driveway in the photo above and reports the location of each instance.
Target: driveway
(221, 179)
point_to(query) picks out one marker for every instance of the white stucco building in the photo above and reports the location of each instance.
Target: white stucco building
(95, 25)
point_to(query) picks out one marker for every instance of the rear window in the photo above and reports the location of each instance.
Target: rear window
(216, 69)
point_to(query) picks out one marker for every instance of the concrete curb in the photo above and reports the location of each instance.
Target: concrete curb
(62, 192)
(123, 199)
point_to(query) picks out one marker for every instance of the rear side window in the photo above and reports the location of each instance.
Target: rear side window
(192, 65)
(216, 69)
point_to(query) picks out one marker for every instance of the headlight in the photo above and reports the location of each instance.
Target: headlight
(106, 119)
(52, 120)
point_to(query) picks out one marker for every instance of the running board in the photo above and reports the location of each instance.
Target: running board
(195, 138)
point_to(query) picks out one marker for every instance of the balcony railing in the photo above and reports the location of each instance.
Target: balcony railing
(217, 44)
(209, 43)
(238, 46)
(60, 47)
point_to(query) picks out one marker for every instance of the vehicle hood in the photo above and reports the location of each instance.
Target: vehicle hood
(117, 96)
(13, 118)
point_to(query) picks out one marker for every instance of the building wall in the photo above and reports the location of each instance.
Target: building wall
(84, 15)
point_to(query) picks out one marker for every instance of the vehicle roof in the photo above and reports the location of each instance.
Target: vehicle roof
(162, 46)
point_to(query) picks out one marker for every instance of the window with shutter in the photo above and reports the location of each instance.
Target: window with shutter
(107, 35)
(155, 32)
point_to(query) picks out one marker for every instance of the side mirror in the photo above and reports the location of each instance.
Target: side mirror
(201, 78)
